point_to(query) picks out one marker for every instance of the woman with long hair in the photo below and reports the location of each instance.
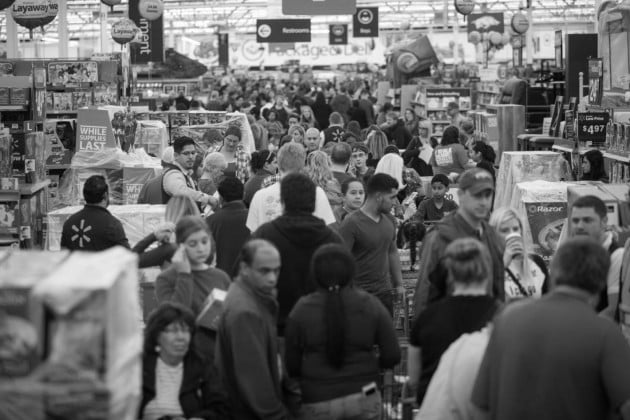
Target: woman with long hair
(484, 156)
(593, 167)
(411, 121)
(297, 134)
(376, 143)
(334, 360)
(526, 273)
(319, 170)
(160, 256)
(450, 157)
(467, 309)
(264, 164)
(307, 116)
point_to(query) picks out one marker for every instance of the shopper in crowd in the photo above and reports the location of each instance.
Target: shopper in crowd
(466, 131)
(353, 191)
(357, 114)
(308, 117)
(266, 204)
(190, 278)
(467, 309)
(412, 192)
(274, 127)
(227, 224)
(376, 143)
(294, 120)
(160, 256)
(279, 107)
(151, 192)
(235, 155)
(381, 117)
(484, 156)
(589, 217)
(321, 110)
(264, 164)
(334, 360)
(435, 208)
(593, 167)
(476, 189)
(93, 228)
(370, 234)
(319, 171)
(358, 167)
(214, 102)
(312, 140)
(365, 103)
(450, 158)
(297, 134)
(396, 131)
(214, 167)
(260, 133)
(341, 103)
(334, 132)
(340, 159)
(296, 234)
(525, 272)
(354, 127)
(456, 118)
(247, 347)
(177, 179)
(536, 354)
(412, 122)
(176, 383)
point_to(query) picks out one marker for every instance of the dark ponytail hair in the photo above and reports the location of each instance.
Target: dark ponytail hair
(487, 152)
(333, 268)
(259, 158)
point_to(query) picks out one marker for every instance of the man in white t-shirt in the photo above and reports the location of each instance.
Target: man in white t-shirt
(266, 205)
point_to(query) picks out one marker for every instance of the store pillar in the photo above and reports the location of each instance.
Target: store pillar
(12, 35)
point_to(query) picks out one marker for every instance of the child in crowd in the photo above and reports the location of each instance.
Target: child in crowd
(438, 206)
(353, 192)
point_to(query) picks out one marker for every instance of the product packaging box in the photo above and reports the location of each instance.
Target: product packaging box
(212, 309)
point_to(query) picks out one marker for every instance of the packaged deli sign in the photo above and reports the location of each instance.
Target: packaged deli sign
(283, 30)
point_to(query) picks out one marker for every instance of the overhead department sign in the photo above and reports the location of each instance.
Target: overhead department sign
(283, 30)
(319, 7)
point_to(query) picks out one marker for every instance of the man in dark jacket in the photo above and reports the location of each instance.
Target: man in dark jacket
(476, 189)
(296, 234)
(228, 224)
(93, 228)
(247, 344)
(397, 133)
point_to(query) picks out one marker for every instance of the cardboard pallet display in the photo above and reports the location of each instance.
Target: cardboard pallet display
(91, 363)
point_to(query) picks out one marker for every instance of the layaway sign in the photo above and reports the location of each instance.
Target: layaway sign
(94, 131)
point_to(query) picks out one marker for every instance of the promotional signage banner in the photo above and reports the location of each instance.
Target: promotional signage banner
(338, 34)
(94, 131)
(151, 37)
(224, 50)
(486, 22)
(283, 30)
(365, 22)
(319, 7)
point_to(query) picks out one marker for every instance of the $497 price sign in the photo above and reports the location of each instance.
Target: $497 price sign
(591, 126)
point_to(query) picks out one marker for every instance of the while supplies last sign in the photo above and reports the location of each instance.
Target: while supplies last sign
(283, 30)
(94, 131)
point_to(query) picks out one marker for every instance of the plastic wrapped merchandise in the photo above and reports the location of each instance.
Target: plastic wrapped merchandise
(518, 167)
(152, 136)
(138, 220)
(542, 206)
(95, 292)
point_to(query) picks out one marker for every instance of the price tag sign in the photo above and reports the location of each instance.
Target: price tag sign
(591, 126)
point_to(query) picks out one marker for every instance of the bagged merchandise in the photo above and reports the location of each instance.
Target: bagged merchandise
(93, 366)
(209, 137)
(152, 136)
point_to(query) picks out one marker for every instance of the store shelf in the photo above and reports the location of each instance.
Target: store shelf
(57, 167)
(618, 157)
(566, 149)
(440, 121)
(62, 113)
(446, 109)
(30, 189)
(13, 107)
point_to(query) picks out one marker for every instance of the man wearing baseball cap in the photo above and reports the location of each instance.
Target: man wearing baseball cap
(476, 190)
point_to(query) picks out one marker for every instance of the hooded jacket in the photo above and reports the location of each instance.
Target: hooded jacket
(432, 280)
(296, 236)
(398, 135)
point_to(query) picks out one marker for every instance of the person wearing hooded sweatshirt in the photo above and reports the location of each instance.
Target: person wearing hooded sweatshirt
(396, 132)
(296, 234)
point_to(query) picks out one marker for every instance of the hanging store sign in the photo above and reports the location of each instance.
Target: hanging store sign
(224, 50)
(520, 23)
(338, 34)
(151, 9)
(123, 31)
(365, 22)
(486, 22)
(464, 7)
(150, 45)
(319, 7)
(283, 30)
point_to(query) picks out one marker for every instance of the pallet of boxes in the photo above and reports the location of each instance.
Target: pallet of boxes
(67, 347)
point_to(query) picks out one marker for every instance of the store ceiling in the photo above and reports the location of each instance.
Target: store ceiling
(198, 17)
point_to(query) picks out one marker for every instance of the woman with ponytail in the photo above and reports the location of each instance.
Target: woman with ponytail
(334, 360)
